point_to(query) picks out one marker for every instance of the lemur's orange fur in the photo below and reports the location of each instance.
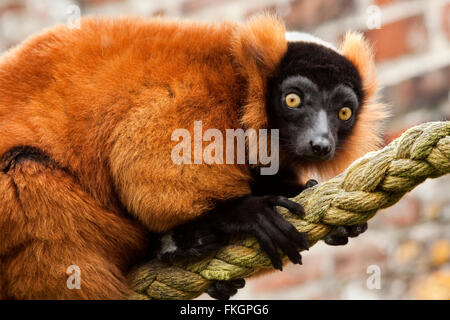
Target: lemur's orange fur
(102, 102)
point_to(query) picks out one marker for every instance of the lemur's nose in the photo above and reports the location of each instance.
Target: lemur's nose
(320, 146)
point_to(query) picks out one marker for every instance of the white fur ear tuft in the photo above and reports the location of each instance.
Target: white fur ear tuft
(295, 36)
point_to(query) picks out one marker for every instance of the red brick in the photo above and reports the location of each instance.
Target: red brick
(194, 5)
(446, 19)
(158, 13)
(392, 135)
(11, 7)
(88, 2)
(429, 89)
(270, 9)
(405, 213)
(399, 38)
(434, 86)
(384, 2)
(307, 13)
(402, 96)
(353, 261)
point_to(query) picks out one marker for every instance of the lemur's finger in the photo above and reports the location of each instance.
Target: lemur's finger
(334, 240)
(341, 231)
(350, 231)
(284, 202)
(237, 283)
(226, 288)
(311, 183)
(268, 247)
(223, 290)
(288, 247)
(216, 294)
(356, 230)
(299, 238)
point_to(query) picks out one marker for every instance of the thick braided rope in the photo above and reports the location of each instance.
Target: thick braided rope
(375, 181)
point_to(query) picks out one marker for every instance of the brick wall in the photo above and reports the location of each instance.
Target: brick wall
(409, 242)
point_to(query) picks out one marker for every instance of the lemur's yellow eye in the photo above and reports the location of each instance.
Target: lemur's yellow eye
(293, 100)
(345, 113)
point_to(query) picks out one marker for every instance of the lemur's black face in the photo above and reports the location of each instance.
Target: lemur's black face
(314, 100)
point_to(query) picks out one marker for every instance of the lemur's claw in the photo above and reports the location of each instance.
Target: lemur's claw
(311, 183)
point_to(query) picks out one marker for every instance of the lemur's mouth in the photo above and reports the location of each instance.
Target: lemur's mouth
(313, 158)
(307, 158)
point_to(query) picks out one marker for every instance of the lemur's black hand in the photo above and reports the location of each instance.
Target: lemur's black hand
(192, 239)
(255, 215)
(223, 290)
(339, 236)
(258, 216)
(311, 183)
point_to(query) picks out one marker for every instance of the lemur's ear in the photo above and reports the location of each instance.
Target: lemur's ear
(260, 42)
(355, 48)
(257, 47)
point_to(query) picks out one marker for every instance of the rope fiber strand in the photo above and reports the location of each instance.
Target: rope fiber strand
(376, 181)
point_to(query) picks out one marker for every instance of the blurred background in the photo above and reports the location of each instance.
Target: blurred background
(407, 246)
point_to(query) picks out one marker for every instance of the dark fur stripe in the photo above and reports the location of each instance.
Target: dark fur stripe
(21, 153)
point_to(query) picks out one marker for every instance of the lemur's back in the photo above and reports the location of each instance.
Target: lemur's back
(63, 74)
(66, 90)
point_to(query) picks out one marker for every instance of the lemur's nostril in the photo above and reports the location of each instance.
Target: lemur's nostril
(316, 148)
(320, 146)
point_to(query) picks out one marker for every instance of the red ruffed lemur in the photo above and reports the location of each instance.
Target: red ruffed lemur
(86, 118)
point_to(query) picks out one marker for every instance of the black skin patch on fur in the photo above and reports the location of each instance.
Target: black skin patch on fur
(19, 154)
